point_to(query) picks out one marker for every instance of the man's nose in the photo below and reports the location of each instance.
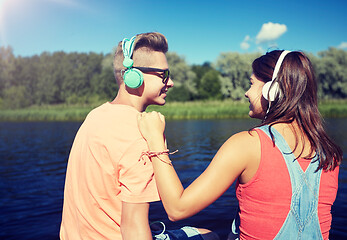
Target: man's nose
(170, 83)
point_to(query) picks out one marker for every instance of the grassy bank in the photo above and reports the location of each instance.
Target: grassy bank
(203, 110)
(174, 110)
(46, 113)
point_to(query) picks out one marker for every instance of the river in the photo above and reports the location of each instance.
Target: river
(33, 158)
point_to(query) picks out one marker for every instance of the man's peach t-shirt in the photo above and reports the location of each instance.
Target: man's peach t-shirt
(104, 169)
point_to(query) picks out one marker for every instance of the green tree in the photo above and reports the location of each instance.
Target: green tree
(59, 77)
(16, 97)
(210, 86)
(179, 94)
(183, 77)
(104, 85)
(331, 71)
(25, 77)
(51, 75)
(7, 68)
(315, 62)
(82, 68)
(200, 71)
(235, 69)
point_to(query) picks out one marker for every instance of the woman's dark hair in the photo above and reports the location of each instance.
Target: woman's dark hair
(298, 101)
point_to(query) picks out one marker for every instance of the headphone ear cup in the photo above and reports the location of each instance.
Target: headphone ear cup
(270, 90)
(128, 62)
(133, 78)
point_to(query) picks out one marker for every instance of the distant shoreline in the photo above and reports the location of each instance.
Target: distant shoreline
(227, 109)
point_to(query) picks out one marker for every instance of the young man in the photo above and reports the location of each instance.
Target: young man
(108, 184)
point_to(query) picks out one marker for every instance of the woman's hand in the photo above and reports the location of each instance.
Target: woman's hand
(152, 126)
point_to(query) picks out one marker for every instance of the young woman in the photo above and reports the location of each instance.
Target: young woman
(286, 168)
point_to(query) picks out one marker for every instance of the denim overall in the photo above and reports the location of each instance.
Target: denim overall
(302, 220)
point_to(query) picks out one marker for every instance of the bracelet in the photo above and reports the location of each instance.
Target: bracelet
(151, 154)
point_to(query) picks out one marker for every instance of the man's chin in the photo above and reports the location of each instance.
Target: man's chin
(159, 103)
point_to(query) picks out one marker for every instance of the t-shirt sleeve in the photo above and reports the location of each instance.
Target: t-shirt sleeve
(136, 175)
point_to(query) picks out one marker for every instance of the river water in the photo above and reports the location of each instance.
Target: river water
(33, 158)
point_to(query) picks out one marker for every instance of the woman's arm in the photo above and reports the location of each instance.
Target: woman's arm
(231, 160)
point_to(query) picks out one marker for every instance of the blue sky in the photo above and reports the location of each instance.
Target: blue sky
(197, 30)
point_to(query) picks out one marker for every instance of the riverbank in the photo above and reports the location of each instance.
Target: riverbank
(172, 111)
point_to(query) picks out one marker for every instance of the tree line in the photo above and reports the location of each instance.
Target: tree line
(86, 78)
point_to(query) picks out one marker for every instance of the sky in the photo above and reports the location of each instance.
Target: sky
(199, 31)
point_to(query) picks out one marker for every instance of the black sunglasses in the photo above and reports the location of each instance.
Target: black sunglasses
(165, 73)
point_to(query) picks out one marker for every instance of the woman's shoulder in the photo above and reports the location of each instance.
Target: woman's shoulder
(245, 150)
(245, 137)
(245, 143)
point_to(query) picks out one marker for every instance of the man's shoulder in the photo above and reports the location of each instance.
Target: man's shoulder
(113, 112)
(113, 121)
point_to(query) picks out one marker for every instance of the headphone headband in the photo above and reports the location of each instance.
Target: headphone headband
(133, 78)
(279, 63)
(271, 88)
(128, 48)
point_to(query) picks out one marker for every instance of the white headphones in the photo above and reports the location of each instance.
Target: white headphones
(271, 88)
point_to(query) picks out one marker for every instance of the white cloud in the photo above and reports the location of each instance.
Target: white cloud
(343, 45)
(270, 32)
(260, 49)
(245, 45)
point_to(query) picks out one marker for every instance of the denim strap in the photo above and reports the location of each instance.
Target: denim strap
(302, 220)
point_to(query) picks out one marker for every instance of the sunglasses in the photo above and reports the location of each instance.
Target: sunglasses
(164, 74)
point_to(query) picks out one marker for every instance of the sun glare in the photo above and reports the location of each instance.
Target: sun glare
(2, 20)
(14, 14)
(7, 7)
(12, 10)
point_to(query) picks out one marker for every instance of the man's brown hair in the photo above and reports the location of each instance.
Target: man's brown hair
(145, 43)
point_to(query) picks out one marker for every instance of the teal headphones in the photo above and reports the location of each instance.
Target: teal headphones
(132, 77)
